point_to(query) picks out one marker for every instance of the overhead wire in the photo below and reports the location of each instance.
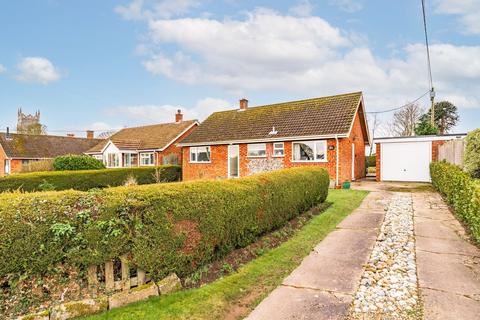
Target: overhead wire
(401, 107)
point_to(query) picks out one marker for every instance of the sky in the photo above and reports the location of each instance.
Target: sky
(104, 65)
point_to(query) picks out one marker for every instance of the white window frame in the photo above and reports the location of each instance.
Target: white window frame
(324, 142)
(256, 147)
(194, 150)
(98, 157)
(275, 148)
(149, 156)
(7, 166)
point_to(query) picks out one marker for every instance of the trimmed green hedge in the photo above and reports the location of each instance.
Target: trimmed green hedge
(87, 179)
(77, 162)
(172, 227)
(370, 161)
(461, 191)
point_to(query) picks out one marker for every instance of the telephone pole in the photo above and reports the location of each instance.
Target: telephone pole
(432, 109)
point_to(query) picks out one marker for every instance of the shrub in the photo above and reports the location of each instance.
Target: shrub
(77, 162)
(472, 153)
(461, 191)
(370, 161)
(167, 228)
(37, 166)
(87, 179)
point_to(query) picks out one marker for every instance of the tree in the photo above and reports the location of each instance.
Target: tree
(34, 129)
(374, 123)
(446, 116)
(425, 128)
(405, 120)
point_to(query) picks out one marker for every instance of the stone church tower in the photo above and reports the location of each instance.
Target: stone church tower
(30, 124)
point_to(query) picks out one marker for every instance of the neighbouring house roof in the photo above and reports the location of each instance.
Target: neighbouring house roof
(43, 146)
(152, 137)
(325, 116)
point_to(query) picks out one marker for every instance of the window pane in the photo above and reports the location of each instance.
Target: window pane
(278, 149)
(303, 151)
(257, 150)
(320, 150)
(193, 154)
(203, 154)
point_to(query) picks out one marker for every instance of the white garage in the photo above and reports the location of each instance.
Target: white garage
(408, 158)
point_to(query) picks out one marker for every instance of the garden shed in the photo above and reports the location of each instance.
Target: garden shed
(408, 158)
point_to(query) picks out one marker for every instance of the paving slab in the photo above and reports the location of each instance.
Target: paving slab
(440, 305)
(452, 273)
(434, 229)
(362, 220)
(447, 246)
(300, 303)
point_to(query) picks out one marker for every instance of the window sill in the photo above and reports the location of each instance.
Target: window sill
(309, 161)
(278, 156)
(200, 162)
(256, 157)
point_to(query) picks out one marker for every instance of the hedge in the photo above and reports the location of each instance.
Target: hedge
(370, 161)
(172, 227)
(461, 191)
(87, 179)
(77, 162)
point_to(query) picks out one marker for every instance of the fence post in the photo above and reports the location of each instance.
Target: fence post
(125, 272)
(92, 279)
(109, 278)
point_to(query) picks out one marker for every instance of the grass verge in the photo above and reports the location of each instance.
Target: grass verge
(235, 295)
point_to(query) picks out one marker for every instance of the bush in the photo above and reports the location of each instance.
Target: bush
(472, 153)
(461, 191)
(370, 161)
(37, 166)
(76, 162)
(88, 179)
(167, 228)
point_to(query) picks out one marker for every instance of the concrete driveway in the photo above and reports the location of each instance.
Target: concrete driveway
(401, 232)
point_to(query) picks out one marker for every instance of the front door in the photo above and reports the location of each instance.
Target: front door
(7, 166)
(233, 161)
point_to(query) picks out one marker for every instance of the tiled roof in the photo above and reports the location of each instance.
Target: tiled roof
(151, 137)
(44, 146)
(313, 117)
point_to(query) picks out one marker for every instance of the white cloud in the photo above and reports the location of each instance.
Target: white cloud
(37, 70)
(468, 12)
(307, 56)
(347, 5)
(303, 8)
(2, 68)
(151, 9)
(166, 113)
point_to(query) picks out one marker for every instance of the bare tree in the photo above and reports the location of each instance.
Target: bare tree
(405, 120)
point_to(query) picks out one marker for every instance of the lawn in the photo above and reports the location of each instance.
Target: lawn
(235, 295)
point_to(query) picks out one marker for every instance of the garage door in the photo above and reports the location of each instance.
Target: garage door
(406, 161)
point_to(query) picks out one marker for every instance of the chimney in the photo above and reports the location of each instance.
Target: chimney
(179, 116)
(90, 134)
(7, 135)
(71, 135)
(243, 104)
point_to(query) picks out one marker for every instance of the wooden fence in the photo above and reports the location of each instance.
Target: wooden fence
(452, 151)
(115, 275)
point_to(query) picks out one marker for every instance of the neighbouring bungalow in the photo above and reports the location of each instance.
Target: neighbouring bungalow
(145, 146)
(17, 150)
(330, 132)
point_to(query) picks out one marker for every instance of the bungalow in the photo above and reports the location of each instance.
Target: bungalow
(144, 146)
(17, 150)
(330, 132)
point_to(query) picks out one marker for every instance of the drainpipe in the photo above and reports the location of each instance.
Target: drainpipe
(337, 162)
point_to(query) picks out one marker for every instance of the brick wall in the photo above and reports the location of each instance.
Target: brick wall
(435, 145)
(3, 157)
(216, 169)
(15, 165)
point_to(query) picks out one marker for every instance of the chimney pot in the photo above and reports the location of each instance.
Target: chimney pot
(179, 116)
(90, 134)
(243, 104)
(7, 135)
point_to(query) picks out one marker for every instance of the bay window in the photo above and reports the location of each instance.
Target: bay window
(113, 160)
(257, 150)
(199, 154)
(309, 151)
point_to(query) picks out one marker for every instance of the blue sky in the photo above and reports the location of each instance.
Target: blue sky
(109, 64)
